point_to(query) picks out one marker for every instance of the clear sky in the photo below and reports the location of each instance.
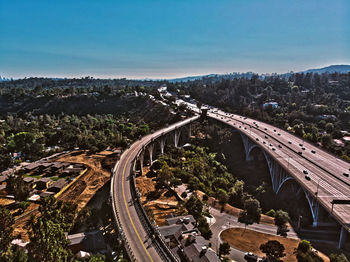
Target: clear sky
(170, 38)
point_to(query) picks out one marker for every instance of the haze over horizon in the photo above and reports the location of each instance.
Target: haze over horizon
(170, 39)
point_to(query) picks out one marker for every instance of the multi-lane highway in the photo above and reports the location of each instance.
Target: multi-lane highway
(326, 174)
(321, 174)
(140, 244)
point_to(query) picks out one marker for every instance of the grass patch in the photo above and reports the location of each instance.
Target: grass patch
(249, 240)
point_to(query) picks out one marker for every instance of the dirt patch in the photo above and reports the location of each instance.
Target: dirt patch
(249, 240)
(97, 175)
(6, 201)
(19, 226)
(162, 202)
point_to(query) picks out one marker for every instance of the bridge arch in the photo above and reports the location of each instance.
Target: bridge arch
(279, 176)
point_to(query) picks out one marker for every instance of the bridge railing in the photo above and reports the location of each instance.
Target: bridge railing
(162, 248)
(117, 220)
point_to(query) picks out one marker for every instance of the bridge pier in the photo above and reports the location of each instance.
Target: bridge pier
(177, 134)
(314, 207)
(150, 148)
(342, 237)
(162, 141)
(141, 159)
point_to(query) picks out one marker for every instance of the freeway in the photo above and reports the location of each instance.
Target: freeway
(326, 173)
(140, 245)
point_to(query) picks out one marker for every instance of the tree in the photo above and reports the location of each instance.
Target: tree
(271, 213)
(304, 253)
(251, 212)
(329, 128)
(6, 229)
(194, 206)
(326, 141)
(165, 175)
(16, 254)
(273, 249)
(281, 220)
(338, 258)
(47, 236)
(204, 228)
(15, 185)
(224, 249)
(222, 196)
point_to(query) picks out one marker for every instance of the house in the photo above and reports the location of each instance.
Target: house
(43, 183)
(3, 179)
(272, 104)
(20, 243)
(3, 190)
(58, 185)
(199, 253)
(185, 240)
(75, 169)
(30, 181)
(46, 194)
(87, 241)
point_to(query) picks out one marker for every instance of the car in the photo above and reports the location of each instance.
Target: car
(245, 128)
(271, 144)
(307, 178)
(264, 142)
(305, 172)
(265, 128)
(279, 146)
(249, 256)
(346, 174)
(273, 149)
(300, 153)
(313, 151)
(257, 139)
(274, 130)
(266, 137)
(303, 148)
(300, 144)
(279, 134)
(289, 142)
(240, 126)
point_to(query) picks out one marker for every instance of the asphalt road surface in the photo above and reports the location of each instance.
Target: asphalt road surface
(142, 245)
(326, 171)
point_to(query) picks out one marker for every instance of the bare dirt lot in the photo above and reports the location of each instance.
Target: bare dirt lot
(249, 240)
(162, 202)
(82, 190)
(97, 175)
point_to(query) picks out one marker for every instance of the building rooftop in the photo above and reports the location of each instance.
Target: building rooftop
(92, 241)
(181, 219)
(198, 253)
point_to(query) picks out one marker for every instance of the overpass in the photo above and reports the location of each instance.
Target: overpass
(322, 178)
(140, 237)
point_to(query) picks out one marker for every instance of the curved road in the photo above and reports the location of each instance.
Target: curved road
(326, 171)
(326, 174)
(142, 246)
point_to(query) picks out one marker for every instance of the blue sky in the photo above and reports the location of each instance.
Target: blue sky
(170, 38)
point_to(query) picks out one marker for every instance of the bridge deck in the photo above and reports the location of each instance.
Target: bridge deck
(130, 221)
(325, 170)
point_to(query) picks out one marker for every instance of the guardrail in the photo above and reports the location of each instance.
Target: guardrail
(116, 217)
(162, 248)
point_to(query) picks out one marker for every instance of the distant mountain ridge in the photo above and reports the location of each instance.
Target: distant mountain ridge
(329, 69)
